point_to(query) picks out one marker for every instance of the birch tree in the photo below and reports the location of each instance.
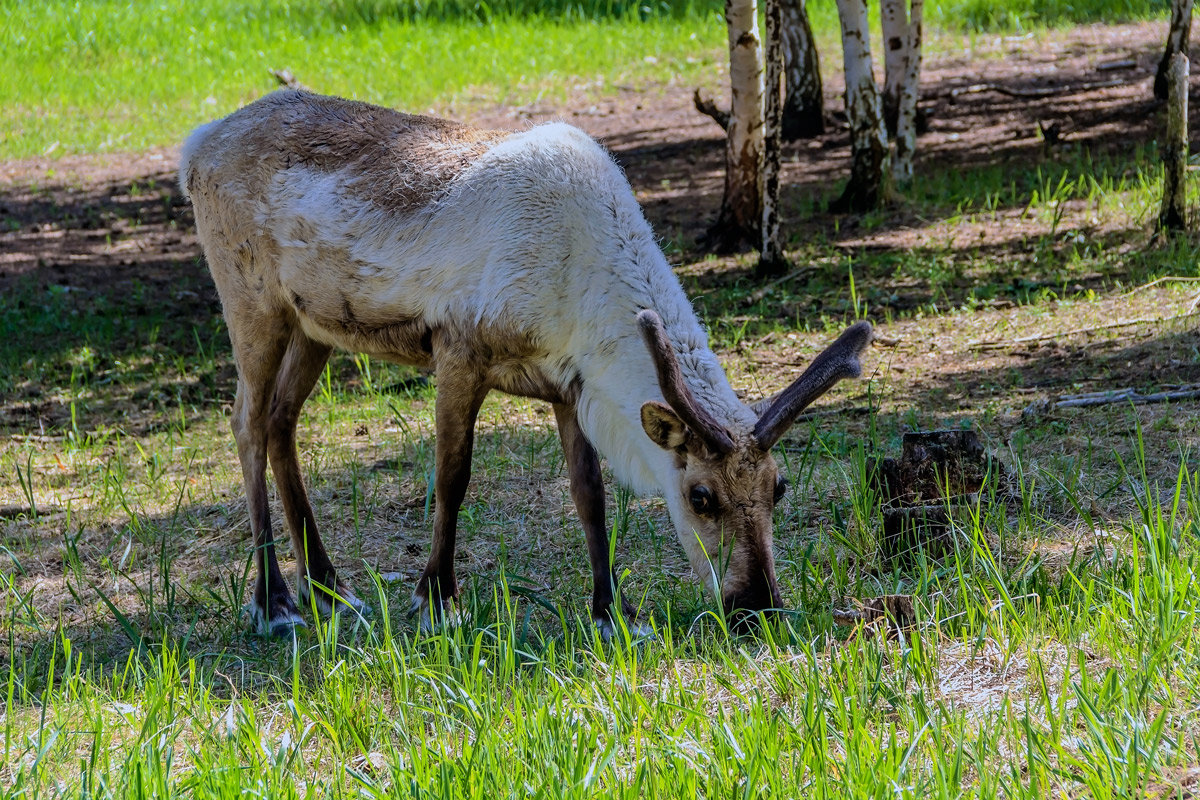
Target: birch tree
(771, 260)
(804, 105)
(1173, 214)
(740, 219)
(893, 19)
(902, 70)
(870, 169)
(1178, 35)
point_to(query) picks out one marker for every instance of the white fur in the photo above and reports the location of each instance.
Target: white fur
(542, 236)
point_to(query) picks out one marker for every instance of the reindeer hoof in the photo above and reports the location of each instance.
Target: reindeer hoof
(341, 600)
(638, 631)
(430, 619)
(282, 623)
(642, 631)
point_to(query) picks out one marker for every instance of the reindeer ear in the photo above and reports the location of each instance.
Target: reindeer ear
(663, 426)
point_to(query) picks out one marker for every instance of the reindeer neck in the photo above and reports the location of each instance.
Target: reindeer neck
(611, 399)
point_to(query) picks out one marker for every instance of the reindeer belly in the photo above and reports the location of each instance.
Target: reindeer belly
(329, 305)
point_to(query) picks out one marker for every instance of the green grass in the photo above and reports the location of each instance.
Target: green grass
(1025, 676)
(1016, 15)
(109, 75)
(1055, 649)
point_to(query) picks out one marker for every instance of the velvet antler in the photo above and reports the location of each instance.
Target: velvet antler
(838, 361)
(677, 394)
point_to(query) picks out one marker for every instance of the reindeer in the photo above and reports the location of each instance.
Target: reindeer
(512, 261)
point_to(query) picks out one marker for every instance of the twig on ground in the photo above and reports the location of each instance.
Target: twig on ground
(1047, 91)
(1047, 337)
(1163, 279)
(1111, 397)
(1127, 395)
(762, 291)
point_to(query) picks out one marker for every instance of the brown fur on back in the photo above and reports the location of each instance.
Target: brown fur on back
(400, 162)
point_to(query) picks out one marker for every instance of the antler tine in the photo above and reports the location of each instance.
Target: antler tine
(677, 394)
(838, 361)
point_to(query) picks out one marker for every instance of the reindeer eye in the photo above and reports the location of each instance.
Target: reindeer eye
(781, 486)
(703, 500)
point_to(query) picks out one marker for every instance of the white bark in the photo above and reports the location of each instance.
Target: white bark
(910, 90)
(741, 207)
(870, 169)
(893, 17)
(771, 260)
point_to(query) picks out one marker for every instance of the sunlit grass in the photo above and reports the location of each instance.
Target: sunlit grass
(109, 75)
(118, 76)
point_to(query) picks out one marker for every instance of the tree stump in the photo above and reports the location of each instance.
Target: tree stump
(937, 471)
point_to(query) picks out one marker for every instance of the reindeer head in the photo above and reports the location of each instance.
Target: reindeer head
(726, 484)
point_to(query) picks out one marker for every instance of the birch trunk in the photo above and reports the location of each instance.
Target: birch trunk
(771, 260)
(804, 106)
(1173, 215)
(740, 219)
(893, 18)
(870, 167)
(1177, 42)
(910, 90)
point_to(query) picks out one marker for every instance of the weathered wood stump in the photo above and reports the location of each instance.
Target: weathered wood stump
(937, 471)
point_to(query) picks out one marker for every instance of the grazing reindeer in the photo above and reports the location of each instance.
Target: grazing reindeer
(511, 261)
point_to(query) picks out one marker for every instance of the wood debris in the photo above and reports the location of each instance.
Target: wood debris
(936, 472)
(891, 615)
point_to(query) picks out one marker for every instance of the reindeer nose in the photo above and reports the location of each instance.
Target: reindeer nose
(744, 608)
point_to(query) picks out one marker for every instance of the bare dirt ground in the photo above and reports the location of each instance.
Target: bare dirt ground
(113, 223)
(77, 220)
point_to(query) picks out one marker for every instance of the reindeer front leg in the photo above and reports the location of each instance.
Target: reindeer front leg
(460, 392)
(587, 491)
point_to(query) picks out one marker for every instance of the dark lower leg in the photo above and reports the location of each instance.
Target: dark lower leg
(272, 597)
(301, 368)
(273, 607)
(460, 394)
(587, 492)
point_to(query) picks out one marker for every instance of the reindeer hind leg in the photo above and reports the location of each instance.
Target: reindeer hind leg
(302, 366)
(259, 343)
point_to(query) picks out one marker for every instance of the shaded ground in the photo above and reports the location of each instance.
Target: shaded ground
(115, 225)
(992, 304)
